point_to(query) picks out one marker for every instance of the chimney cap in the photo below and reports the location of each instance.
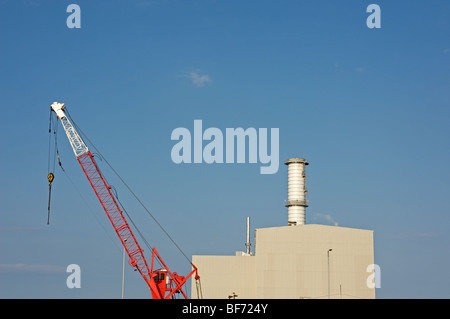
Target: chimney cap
(296, 160)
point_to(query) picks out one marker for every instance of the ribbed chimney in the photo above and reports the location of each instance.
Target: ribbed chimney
(297, 201)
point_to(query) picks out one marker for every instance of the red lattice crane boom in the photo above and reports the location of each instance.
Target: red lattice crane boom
(162, 282)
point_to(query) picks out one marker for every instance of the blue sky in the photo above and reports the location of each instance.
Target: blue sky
(368, 108)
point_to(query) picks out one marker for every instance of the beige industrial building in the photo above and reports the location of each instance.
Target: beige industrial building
(291, 262)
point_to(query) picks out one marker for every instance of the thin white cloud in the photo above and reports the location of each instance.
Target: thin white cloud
(198, 79)
(360, 69)
(31, 269)
(327, 217)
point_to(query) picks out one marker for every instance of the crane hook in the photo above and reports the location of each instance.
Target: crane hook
(50, 178)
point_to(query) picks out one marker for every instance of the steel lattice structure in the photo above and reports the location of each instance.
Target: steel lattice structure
(162, 282)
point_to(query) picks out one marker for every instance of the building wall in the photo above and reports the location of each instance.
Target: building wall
(221, 276)
(291, 262)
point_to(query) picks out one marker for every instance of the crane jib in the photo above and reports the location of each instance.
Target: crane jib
(162, 282)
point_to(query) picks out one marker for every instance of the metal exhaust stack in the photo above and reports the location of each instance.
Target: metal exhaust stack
(297, 201)
(248, 244)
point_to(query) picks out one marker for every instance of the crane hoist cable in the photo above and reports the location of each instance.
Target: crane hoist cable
(90, 209)
(50, 175)
(116, 194)
(52, 158)
(53, 155)
(132, 222)
(127, 186)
